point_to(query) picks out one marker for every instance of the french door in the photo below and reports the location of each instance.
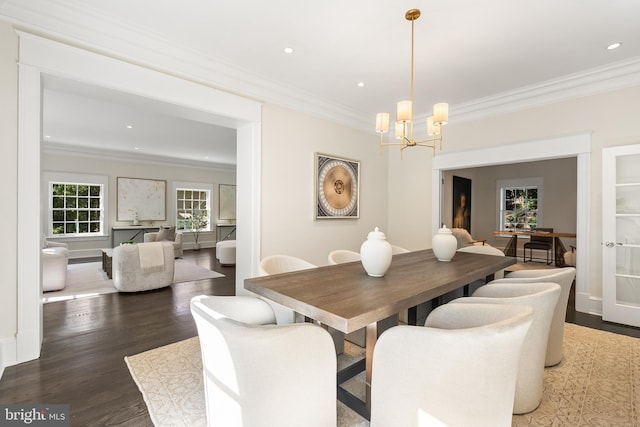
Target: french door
(621, 235)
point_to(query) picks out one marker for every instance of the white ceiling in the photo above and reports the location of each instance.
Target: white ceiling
(466, 51)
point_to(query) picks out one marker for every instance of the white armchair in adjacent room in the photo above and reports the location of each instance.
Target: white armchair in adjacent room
(458, 370)
(143, 266)
(257, 375)
(542, 298)
(563, 277)
(167, 234)
(54, 259)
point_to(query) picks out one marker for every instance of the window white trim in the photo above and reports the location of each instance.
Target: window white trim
(66, 177)
(198, 186)
(537, 182)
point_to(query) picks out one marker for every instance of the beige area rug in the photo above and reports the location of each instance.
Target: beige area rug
(88, 279)
(597, 384)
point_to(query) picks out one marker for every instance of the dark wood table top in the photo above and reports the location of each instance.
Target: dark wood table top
(344, 297)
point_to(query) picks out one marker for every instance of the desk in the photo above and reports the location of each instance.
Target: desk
(558, 247)
(344, 297)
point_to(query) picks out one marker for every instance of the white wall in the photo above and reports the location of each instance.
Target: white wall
(9, 179)
(64, 161)
(610, 117)
(289, 141)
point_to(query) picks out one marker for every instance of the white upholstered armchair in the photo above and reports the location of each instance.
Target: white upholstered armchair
(257, 375)
(542, 298)
(458, 370)
(168, 234)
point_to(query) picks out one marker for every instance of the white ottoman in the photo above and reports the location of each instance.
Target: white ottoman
(226, 252)
(54, 268)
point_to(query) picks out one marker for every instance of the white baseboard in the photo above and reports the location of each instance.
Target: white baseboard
(585, 303)
(7, 353)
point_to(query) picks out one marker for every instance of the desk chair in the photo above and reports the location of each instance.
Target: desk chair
(539, 243)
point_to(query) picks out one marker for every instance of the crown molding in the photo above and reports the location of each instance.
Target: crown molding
(614, 76)
(122, 156)
(83, 27)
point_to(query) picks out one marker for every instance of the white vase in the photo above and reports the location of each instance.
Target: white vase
(376, 254)
(444, 244)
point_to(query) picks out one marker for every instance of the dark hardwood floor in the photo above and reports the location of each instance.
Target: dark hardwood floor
(86, 340)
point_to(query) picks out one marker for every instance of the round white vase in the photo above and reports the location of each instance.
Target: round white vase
(444, 244)
(376, 254)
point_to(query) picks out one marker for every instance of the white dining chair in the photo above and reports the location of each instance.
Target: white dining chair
(542, 298)
(395, 250)
(340, 256)
(485, 250)
(263, 375)
(460, 369)
(563, 277)
(276, 264)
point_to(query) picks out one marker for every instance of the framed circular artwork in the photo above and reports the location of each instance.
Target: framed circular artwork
(337, 187)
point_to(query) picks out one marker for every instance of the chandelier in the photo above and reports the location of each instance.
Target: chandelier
(404, 116)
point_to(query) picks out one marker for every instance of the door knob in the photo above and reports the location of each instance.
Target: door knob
(609, 244)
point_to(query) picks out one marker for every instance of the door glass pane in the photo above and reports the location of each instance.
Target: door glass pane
(628, 230)
(628, 199)
(628, 261)
(627, 169)
(628, 291)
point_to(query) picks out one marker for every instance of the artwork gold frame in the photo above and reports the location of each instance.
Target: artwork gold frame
(337, 187)
(144, 198)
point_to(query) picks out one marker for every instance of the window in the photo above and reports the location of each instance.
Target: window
(75, 208)
(520, 204)
(193, 200)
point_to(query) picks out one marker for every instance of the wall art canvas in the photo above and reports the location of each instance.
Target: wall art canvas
(461, 203)
(337, 187)
(226, 201)
(145, 198)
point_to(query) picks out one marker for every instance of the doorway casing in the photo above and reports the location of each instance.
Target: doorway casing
(39, 56)
(578, 146)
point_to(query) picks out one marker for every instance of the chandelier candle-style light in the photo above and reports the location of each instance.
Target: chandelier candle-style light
(404, 116)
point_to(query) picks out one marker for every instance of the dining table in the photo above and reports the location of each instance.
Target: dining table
(346, 298)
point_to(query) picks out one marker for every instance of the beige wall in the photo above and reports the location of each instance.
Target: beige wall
(9, 179)
(612, 118)
(289, 141)
(113, 168)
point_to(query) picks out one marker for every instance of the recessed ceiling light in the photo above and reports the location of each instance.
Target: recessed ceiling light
(136, 148)
(614, 46)
(129, 127)
(360, 84)
(47, 136)
(288, 50)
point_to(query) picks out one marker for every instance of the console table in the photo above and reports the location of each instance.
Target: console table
(134, 233)
(220, 228)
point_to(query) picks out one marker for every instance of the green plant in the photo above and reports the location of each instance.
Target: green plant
(196, 221)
